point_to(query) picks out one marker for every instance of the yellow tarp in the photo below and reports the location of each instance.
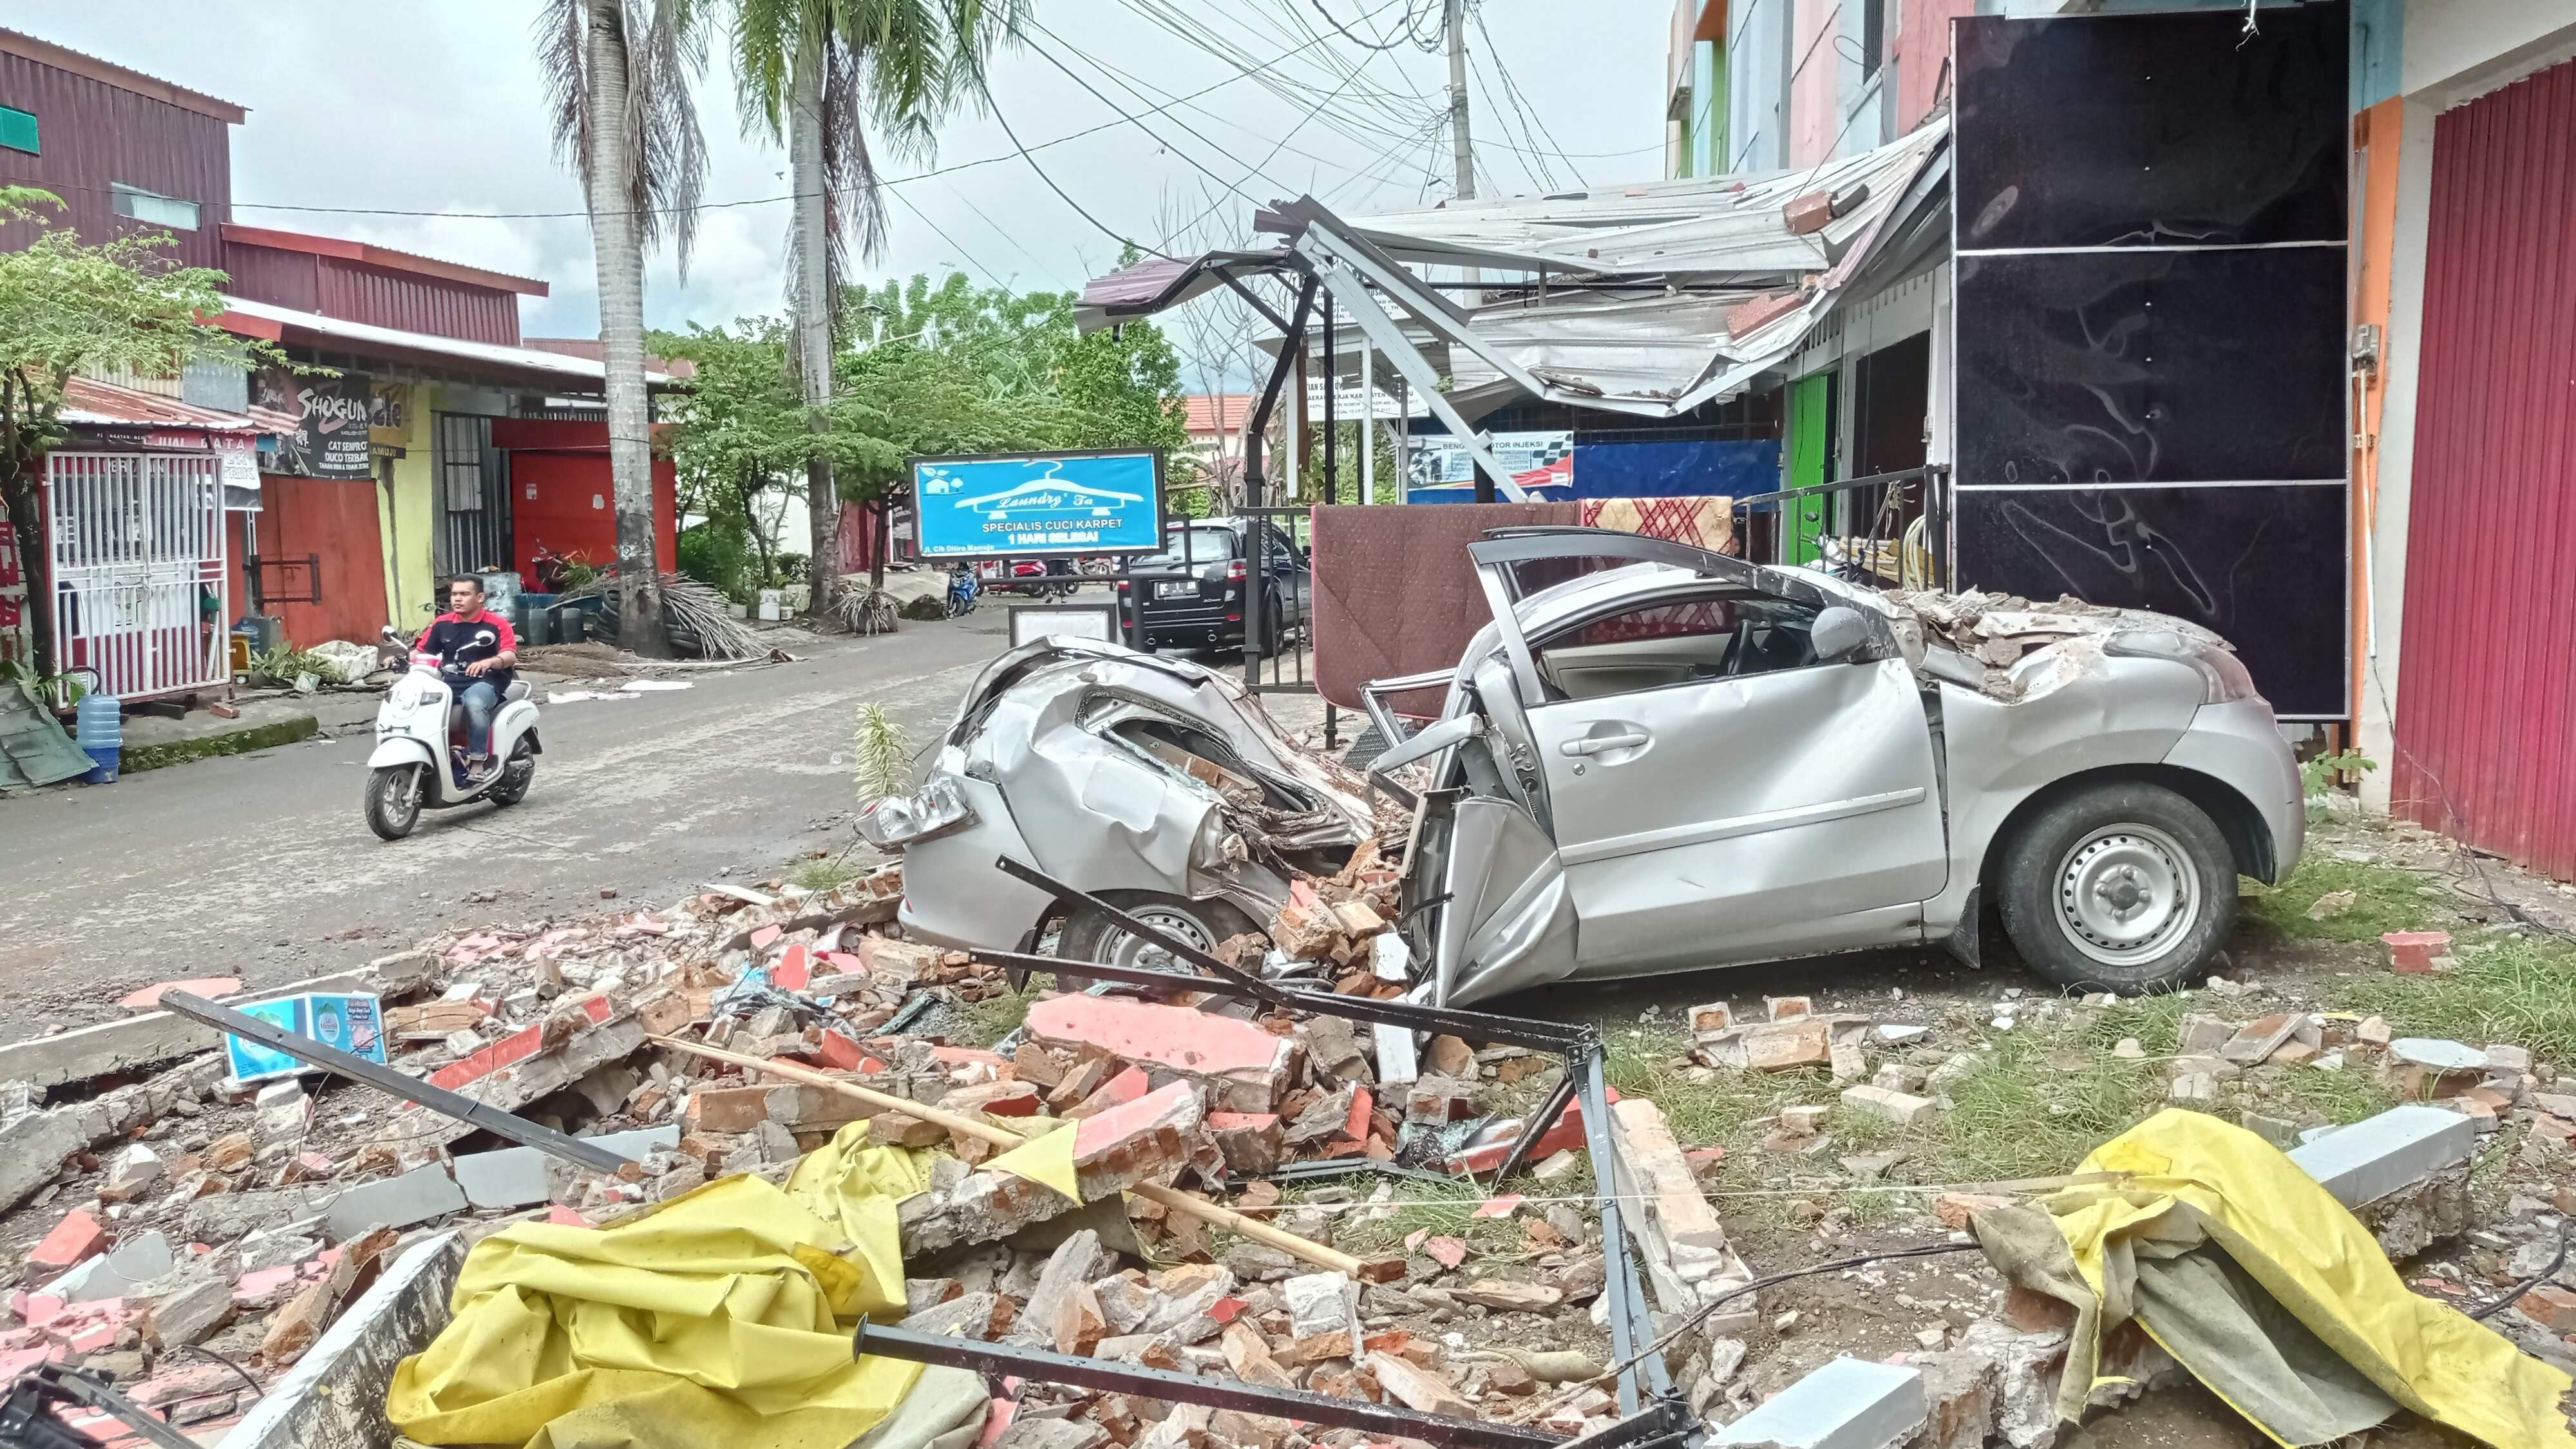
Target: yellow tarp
(723, 1317)
(2312, 1257)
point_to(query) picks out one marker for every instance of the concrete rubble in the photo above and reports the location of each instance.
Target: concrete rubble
(308, 1228)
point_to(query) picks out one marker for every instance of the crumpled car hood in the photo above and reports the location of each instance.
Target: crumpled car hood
(1129, 771)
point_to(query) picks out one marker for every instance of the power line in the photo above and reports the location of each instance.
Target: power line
(1521, 102)
(989, 274)
(1060, 192)
(1403, 36)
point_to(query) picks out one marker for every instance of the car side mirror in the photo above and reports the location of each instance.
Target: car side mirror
(1837, 632)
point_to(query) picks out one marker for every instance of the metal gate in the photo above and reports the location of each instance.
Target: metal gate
(2486, 699)
(138, 570)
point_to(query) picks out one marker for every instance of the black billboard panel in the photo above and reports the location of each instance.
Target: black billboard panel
(2209, 365)
(2263, 567)
(2171, 129)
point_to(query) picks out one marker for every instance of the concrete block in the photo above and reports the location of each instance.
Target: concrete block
(2415, 952)
(32, 1150)
(335, 1394)
(515, 1177)
(395, 1202)
(1902, 1108)
(114, 1274)
(1397, 1060)
(1850, 1403)
(2377, 1156)
(1677, 1233)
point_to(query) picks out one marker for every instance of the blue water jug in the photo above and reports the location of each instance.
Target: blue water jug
(101, 735)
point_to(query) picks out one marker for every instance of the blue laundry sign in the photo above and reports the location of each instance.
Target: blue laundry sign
(1036, 504)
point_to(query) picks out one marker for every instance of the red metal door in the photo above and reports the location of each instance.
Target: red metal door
(2486, 714)
(322, 543)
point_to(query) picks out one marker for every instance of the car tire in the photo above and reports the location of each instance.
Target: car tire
(2119, 886)
(1091, 936)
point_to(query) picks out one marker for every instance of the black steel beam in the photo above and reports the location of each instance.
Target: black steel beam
(1045, 1366)
(385, 1079)
(1538, 1123)
(1250, 984)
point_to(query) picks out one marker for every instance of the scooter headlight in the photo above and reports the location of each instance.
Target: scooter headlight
(898, 820)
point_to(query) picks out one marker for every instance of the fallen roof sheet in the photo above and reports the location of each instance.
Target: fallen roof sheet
(1716, 227)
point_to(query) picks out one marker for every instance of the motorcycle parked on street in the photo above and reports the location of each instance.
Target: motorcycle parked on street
(961, 591)
(420, 743)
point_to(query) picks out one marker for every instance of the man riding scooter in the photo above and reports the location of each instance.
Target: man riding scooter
(476, 649)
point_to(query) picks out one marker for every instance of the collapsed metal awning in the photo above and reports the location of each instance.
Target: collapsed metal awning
(1649, 300)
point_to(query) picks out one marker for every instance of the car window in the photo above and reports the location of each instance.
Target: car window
(1676, 639)
(1194, 546)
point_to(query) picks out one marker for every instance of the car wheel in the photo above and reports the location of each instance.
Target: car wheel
(1092, 936)
(2122, 886)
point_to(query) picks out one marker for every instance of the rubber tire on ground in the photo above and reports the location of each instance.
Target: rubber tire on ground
(1086, 931)
(517, 773)
(2027, 886)
(385, 813)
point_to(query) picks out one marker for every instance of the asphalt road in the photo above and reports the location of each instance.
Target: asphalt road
(261, 866)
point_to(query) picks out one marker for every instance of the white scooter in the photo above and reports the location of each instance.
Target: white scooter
(418, 727)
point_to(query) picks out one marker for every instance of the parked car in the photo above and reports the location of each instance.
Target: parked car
(1212, 588)
(1655, 758)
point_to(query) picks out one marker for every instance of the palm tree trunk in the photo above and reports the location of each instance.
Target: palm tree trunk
(617, 243)
(813, 305)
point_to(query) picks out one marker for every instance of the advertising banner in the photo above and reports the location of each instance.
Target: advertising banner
(1441, 470)
(1033, 505)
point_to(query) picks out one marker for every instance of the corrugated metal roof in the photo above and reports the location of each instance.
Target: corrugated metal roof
(553, 366)
(87, 402)
(1218, 412)
(1713, 228)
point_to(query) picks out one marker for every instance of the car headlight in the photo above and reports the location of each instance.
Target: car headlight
(898, 820)
(2223, 679)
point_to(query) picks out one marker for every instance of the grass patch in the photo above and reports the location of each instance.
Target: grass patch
(2515, 991)
(825, 872)
(2385, 898)
(1000, 1014)
(2340, 1097)
(1444, 1210)
(2156, 1021)
(2018, 1113)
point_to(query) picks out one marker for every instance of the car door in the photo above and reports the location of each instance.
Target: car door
(1717, 794)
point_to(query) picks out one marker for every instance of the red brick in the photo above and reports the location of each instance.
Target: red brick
(1357, 1128)
(1247, 1066)
(2551, 1306)
(2414, 952)
(517, 1047)
(761, 936)
(1808, 213)
(838, 1051)
(213, 988)
(1118, 1091)
(73, 1240)
(795, 967)
(564, 1217)
(1759, 312)
(1486, 1157)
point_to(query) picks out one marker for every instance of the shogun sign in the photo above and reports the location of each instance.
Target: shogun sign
(1105, 501)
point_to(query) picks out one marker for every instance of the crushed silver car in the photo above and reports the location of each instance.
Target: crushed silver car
(1153, 783)
(1653, 758)
(1656, 758)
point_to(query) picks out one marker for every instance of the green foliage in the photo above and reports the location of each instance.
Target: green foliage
(2325, 772)
(881, 755)
(60, 690)
(281, 666)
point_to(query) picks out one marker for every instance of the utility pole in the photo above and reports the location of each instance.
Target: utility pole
(1454, 18)
(1454, 21)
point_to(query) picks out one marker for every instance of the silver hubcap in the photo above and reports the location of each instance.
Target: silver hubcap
(2126, 893)
(1122, 948)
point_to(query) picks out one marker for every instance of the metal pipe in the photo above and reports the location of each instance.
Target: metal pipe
(1046, 1366)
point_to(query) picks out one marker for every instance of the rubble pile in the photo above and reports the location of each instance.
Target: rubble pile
(1997, 631)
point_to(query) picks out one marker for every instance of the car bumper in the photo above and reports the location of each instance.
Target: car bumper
(2240, 744)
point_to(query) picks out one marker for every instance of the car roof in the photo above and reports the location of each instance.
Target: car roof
(1657, 564)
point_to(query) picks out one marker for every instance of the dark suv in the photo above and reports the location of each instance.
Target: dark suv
(1206, 590)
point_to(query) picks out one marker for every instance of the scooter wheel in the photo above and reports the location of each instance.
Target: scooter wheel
(393, 800)
(516, 776)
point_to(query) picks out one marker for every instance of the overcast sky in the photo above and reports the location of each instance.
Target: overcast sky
(436, 108)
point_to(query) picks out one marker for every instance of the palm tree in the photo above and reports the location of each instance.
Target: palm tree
(814, 73)
(617, 80)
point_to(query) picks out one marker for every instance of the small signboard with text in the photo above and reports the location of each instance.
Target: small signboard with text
(1035, 504)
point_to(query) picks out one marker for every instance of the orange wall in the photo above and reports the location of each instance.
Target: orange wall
(332, 522)
(1920, 52)
(2375, 136)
